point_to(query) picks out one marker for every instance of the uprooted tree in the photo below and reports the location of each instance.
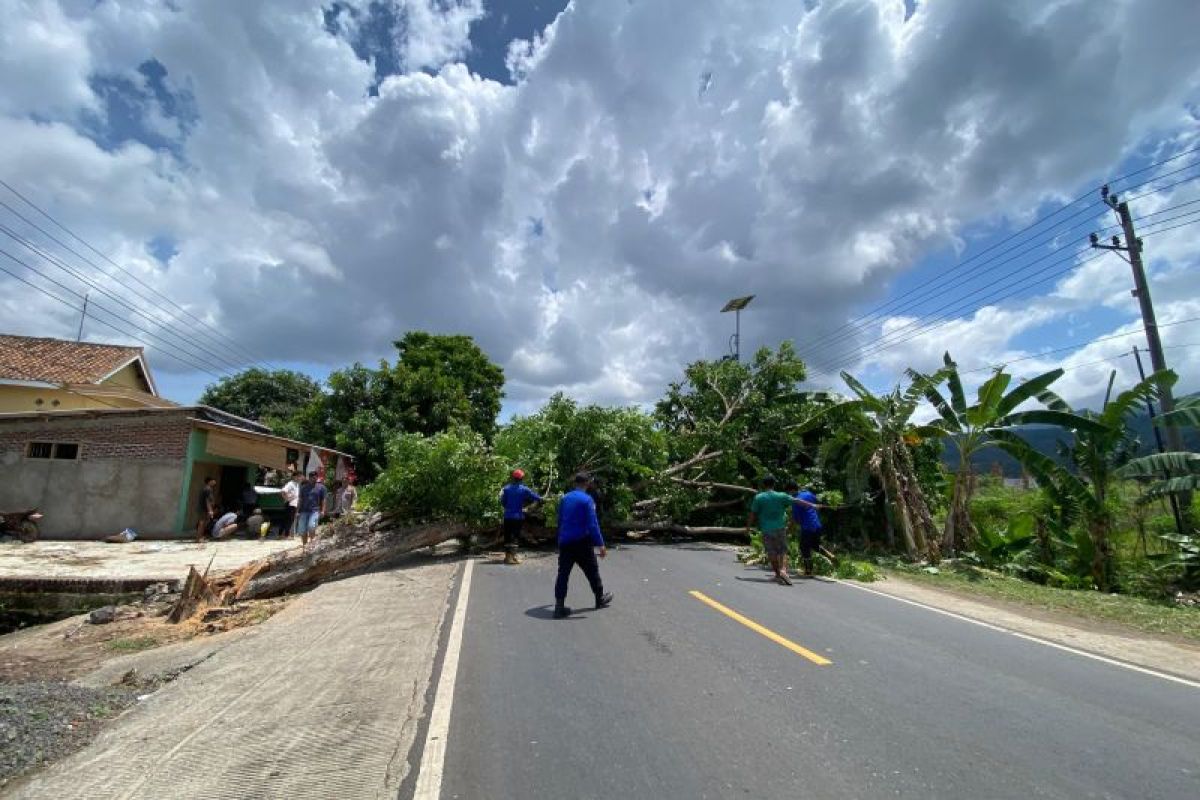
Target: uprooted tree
(686, 469)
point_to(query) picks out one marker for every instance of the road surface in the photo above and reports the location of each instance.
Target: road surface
(665, 695)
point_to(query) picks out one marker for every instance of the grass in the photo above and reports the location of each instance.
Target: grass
(132, 644)
(1134, 612)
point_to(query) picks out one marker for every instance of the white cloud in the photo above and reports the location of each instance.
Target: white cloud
(586, 223)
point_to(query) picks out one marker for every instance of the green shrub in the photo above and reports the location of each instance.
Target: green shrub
(452, 475)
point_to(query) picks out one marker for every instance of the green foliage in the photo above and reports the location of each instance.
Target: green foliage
(132, 644)
(861, 571)
(272, 397)
(452, 475)
(620, 447)
(437, 383)
(738, 415)
(989, 422)
(995, 547)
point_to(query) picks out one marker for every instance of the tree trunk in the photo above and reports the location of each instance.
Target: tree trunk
(959, 529)
(343, 546)
(674, 528)
(891, 484)
(1099, 532)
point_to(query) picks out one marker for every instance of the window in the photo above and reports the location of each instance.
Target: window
(40, 450)
(67, 451)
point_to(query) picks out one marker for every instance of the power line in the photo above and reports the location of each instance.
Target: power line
(1044, 353)
(214, 331)
(888, 341)
(160, 347)
(831, 337)
(187, 344)
(948, 313)
(170, 318)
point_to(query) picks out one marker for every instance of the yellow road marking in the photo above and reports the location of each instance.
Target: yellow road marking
(767, 632)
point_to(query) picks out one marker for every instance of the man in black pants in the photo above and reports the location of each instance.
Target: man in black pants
(578, 534)
(514, 497)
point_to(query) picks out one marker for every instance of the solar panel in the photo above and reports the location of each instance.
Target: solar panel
(737, 303)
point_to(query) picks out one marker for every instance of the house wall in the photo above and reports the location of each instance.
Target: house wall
(128, 377)
(24, 398)
(129, 473)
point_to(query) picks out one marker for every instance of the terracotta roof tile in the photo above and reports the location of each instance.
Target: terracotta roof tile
(27, 358)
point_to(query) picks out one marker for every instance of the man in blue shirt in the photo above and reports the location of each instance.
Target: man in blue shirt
(514, 497)
(578, 535)
(312, 500)
(805, 517)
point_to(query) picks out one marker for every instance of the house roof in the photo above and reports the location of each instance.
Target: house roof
(29, 358)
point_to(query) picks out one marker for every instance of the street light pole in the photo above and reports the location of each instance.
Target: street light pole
(736, 305)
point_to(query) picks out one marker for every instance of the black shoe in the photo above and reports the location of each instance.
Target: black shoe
(562, 612)
(604, 600)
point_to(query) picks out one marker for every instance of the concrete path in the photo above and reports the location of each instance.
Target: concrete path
(136, 560)
(321, 701)
(664, 695)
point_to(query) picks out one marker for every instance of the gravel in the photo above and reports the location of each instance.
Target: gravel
(43, 721)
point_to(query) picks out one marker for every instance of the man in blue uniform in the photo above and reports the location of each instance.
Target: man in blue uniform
(514, 497)
(578, 537)
(805, 517)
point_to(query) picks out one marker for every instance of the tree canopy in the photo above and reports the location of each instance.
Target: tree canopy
(272, 397)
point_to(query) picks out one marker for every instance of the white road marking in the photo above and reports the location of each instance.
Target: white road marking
(433, 758)
(1066, 648)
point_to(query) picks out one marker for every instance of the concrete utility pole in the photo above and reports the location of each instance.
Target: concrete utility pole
(1133, 246)
(1158, 441)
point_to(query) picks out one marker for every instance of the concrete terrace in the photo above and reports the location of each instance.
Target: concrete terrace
(136, 561)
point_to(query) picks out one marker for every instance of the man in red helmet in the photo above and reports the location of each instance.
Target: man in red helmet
(515, 497)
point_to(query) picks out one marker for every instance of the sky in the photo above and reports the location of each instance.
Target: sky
(581, 187)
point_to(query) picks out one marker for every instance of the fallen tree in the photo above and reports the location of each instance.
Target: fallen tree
(345, 545)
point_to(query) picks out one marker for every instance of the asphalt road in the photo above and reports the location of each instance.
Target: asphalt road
(662, 696)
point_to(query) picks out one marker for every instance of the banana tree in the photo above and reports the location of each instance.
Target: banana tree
(972, 428)
(1097, 455)
(873, 437)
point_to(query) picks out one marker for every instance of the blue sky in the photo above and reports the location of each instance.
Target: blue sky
(313, 179)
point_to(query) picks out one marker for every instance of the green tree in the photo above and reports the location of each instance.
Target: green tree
(452, 475)
(1097, 453)
(443, 381)
(986, 423)
(729, 421)
(873, 435)
(620, 447)
(272, 397)
(437, 383)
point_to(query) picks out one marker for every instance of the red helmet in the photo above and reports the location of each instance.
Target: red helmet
(518, 474)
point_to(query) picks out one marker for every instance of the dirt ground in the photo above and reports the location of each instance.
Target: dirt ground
(69, 648)
(321, 701)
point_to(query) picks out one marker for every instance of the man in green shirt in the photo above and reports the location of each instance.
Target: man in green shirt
(769, 511)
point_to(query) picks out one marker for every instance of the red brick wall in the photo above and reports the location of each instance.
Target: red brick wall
(124, 437)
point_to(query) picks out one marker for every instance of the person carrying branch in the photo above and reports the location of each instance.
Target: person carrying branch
(806, 518)
(769, 512)
(515, 497)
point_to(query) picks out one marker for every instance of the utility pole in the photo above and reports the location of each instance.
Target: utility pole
(82, 317)
(1133, 246)
(1158, 441)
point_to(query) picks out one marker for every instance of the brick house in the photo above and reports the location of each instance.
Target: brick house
(94, 472)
